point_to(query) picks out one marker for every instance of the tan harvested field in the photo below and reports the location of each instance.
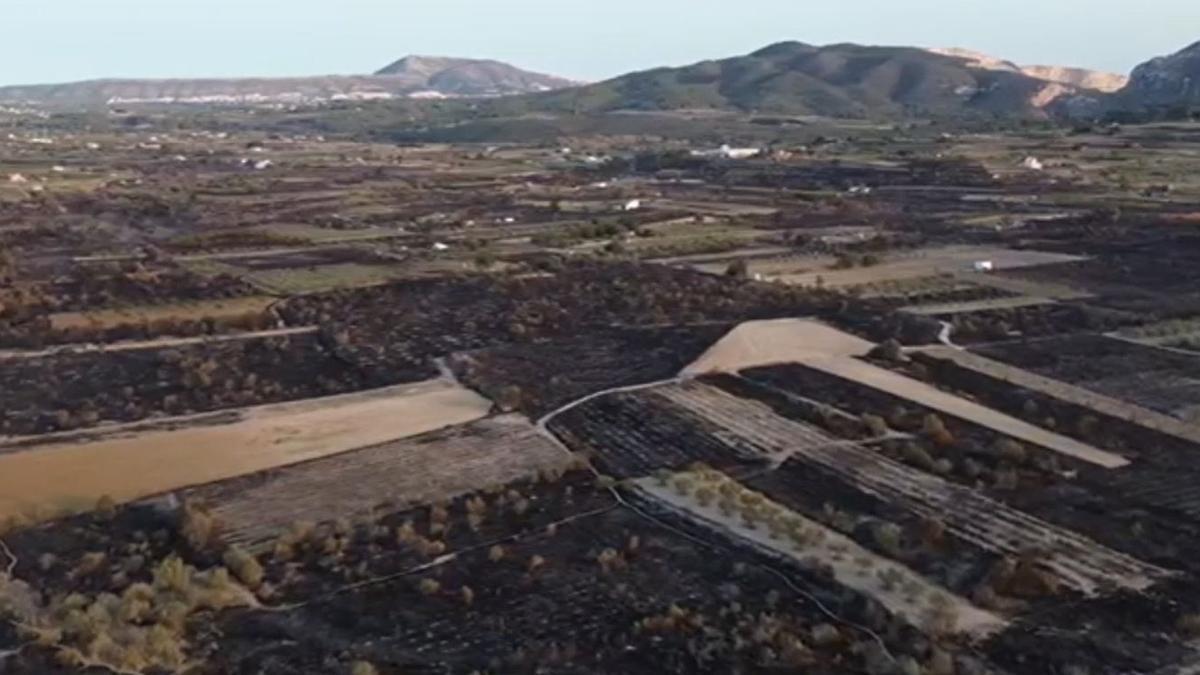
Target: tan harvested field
(853, 566)
(719, 261)
(200, 309)
(977, 305)
(1068, 392)
(1077, 561)
(930, 397)
(1025, 286)
(60, 473)
(300, 280)
(923, 263)
(714, 208)
(437, 465)
(324, 235)
(761, 343)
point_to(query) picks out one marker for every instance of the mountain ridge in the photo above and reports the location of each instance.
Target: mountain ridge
(840, 80)
(437, 77)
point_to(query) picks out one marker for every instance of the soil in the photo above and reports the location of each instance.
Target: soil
(70, 475)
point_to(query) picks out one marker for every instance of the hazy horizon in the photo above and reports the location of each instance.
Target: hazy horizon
(68, 40)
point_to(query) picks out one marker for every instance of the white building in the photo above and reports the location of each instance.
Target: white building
(632, 205)
(1033, 164)
(729, 153)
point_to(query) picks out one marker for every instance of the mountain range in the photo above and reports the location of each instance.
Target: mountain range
(410, 77)
(848, 80)
(842, 80)
(788, 78)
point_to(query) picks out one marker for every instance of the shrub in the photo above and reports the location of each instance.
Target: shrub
(1189, 625)
(106, 507)
(197, 527)
(875, 425)
(244, 566)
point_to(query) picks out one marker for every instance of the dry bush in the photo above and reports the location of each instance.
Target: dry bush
(609, 560)
(824, 635)
(362, 668)
(1189, 625)
(198, 527)
(933, 531)
(141, 630)
(1011, 451)
(496, 553)
(429, 586)
(888, 537)
(915, 455)
(106, 507)
(244, 566)
(407, 533)
(875, 425)
(89, 564)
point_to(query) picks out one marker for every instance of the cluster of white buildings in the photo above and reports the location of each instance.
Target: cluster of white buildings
(727, 152)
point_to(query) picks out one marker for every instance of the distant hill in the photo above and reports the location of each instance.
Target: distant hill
(472, 77)
(1165, 82)
(843, 80)
(412, 76)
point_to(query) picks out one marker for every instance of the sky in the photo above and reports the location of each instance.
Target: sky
(66, 40)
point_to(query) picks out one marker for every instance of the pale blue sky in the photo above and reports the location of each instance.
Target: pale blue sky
(61, 40)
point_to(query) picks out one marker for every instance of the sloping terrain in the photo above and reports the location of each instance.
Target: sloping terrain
(1166, 81)
(471, 77)
(411, 76)
(842, 80)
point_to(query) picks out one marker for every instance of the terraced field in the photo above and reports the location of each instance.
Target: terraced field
(438, 465)
(1078, 562)
(1164, 380)
(631, 434)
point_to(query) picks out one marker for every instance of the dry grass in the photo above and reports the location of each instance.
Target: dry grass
(232, 308)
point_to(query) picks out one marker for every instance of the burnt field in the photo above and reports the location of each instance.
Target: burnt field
(1156, 378)
(106, 302)
(306, 258)
(538, 376)
(291, 401)
(74, 391)
(1024, 550)
(545, 576)
(1037, 321)
(385, 335)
